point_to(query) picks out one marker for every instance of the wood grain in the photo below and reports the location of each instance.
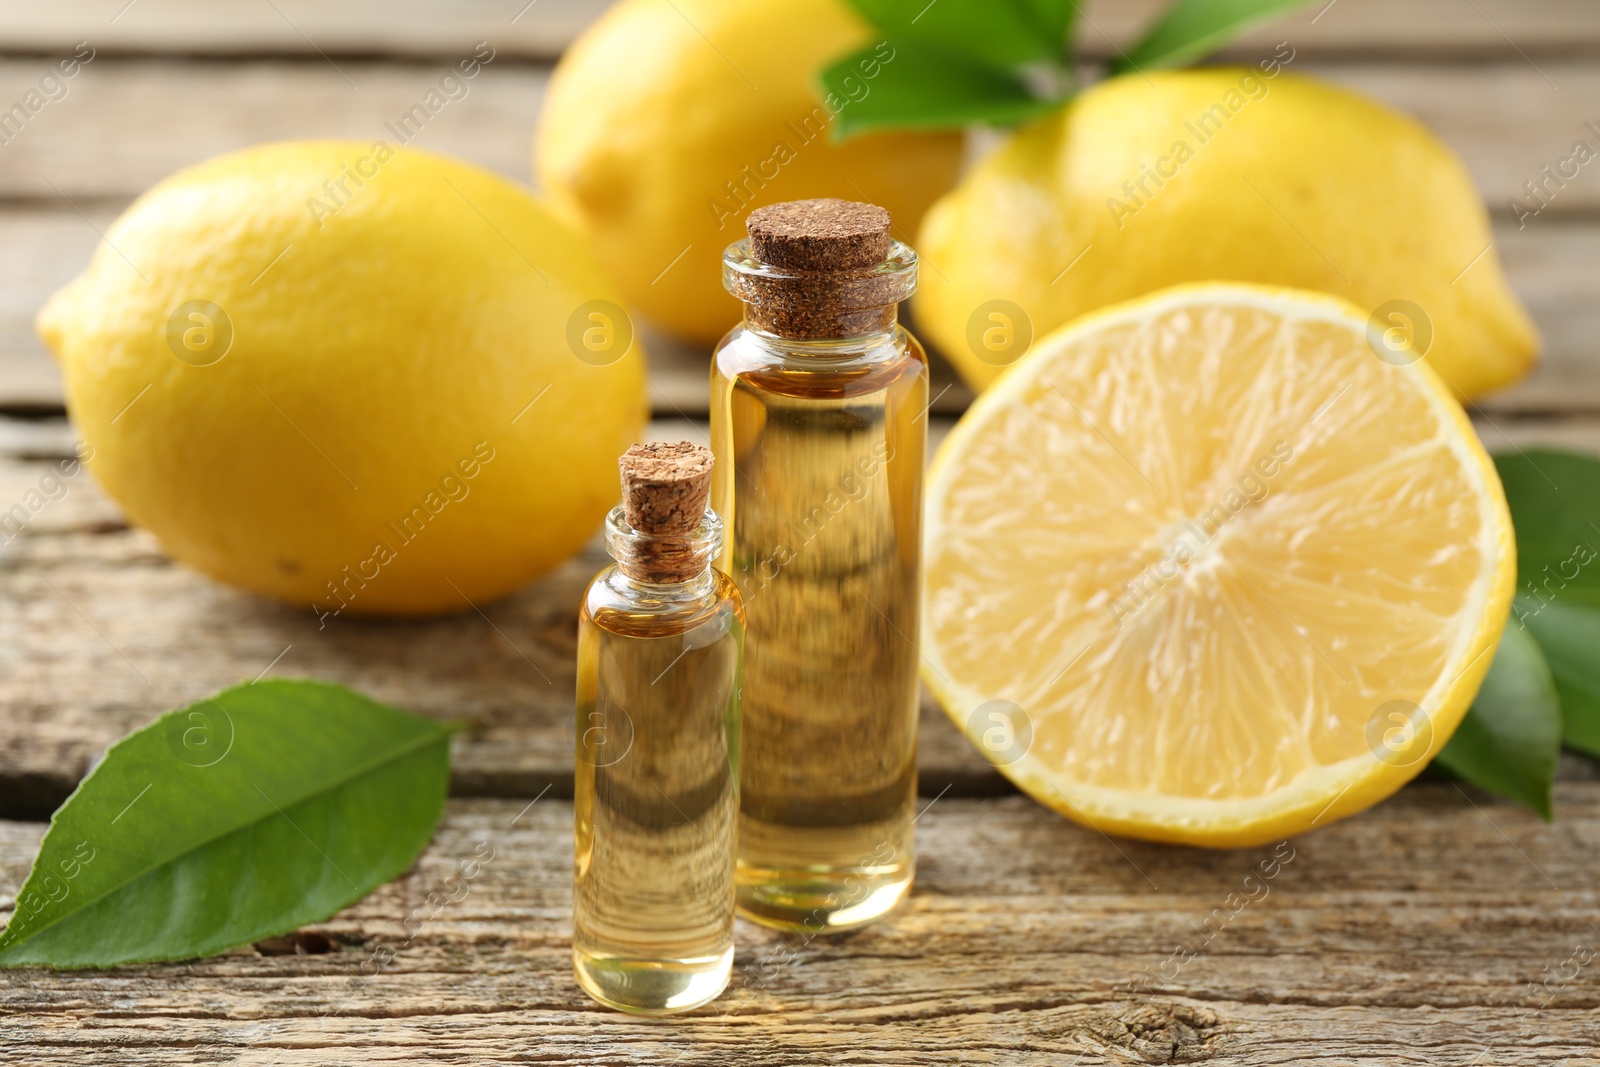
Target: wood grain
(1419, 932)
(100, 632)
(126, 123)
(309, 28)
(1439, 28)
(1555, 268)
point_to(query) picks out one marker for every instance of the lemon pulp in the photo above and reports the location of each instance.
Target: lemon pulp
(1189, 556)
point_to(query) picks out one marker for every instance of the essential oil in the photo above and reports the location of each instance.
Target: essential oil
(818, 402)
(660, 639)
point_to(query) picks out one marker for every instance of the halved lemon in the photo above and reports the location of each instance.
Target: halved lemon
(1215, 566)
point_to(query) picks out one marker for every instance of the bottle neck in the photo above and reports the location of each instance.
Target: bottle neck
(664, 566)
(796, 351)
(799, 304)
(866, 330)
(860, 327)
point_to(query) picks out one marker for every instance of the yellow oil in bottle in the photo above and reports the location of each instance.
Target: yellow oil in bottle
(820, 452)
(656, 790)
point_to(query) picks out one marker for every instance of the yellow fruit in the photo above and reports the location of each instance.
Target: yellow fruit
(1202, 568)
(1279, 180)
(322, 393)
(668, 120)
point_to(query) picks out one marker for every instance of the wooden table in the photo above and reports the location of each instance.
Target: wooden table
(1443, 927)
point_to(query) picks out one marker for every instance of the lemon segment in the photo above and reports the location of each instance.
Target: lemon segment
(1196, 549)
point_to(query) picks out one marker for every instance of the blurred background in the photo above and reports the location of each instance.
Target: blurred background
(1510, 85)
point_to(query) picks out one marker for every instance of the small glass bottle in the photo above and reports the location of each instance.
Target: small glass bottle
(660, 649)
(817, 406)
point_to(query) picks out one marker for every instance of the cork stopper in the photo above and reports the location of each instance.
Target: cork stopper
(819, 270)
(665, 489)
(820, 234)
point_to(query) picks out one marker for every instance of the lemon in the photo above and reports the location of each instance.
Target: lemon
(1204, 568)
(668, 120)
(1147, 181)
(348, 375)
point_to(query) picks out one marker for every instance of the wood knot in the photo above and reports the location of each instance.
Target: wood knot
(1163, 1032)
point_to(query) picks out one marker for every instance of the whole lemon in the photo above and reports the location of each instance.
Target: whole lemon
(668, 120)
(1222, 174)
(351, 376)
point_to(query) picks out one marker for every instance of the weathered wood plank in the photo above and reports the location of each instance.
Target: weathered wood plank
(43, 251)
(310, 28)
(126, 123)
(1553, 262)
(1412, 29)
(1554, 266)
(1420, 932)
(100, 632)
(1502, 433)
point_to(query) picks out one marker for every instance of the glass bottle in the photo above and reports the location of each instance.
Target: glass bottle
(660, 641)
(817, 406)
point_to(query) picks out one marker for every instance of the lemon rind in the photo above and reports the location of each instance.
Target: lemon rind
(1316, 797)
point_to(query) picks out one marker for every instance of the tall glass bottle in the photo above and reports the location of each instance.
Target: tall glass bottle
(817, 408)
(660, 640)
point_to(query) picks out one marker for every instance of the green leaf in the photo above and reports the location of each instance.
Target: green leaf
(951, 63)
(1569, 637)
(1511, 736)
(1193, 29)
(919, 88)
(1555, 508)
(993, 33)
(239, 817)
